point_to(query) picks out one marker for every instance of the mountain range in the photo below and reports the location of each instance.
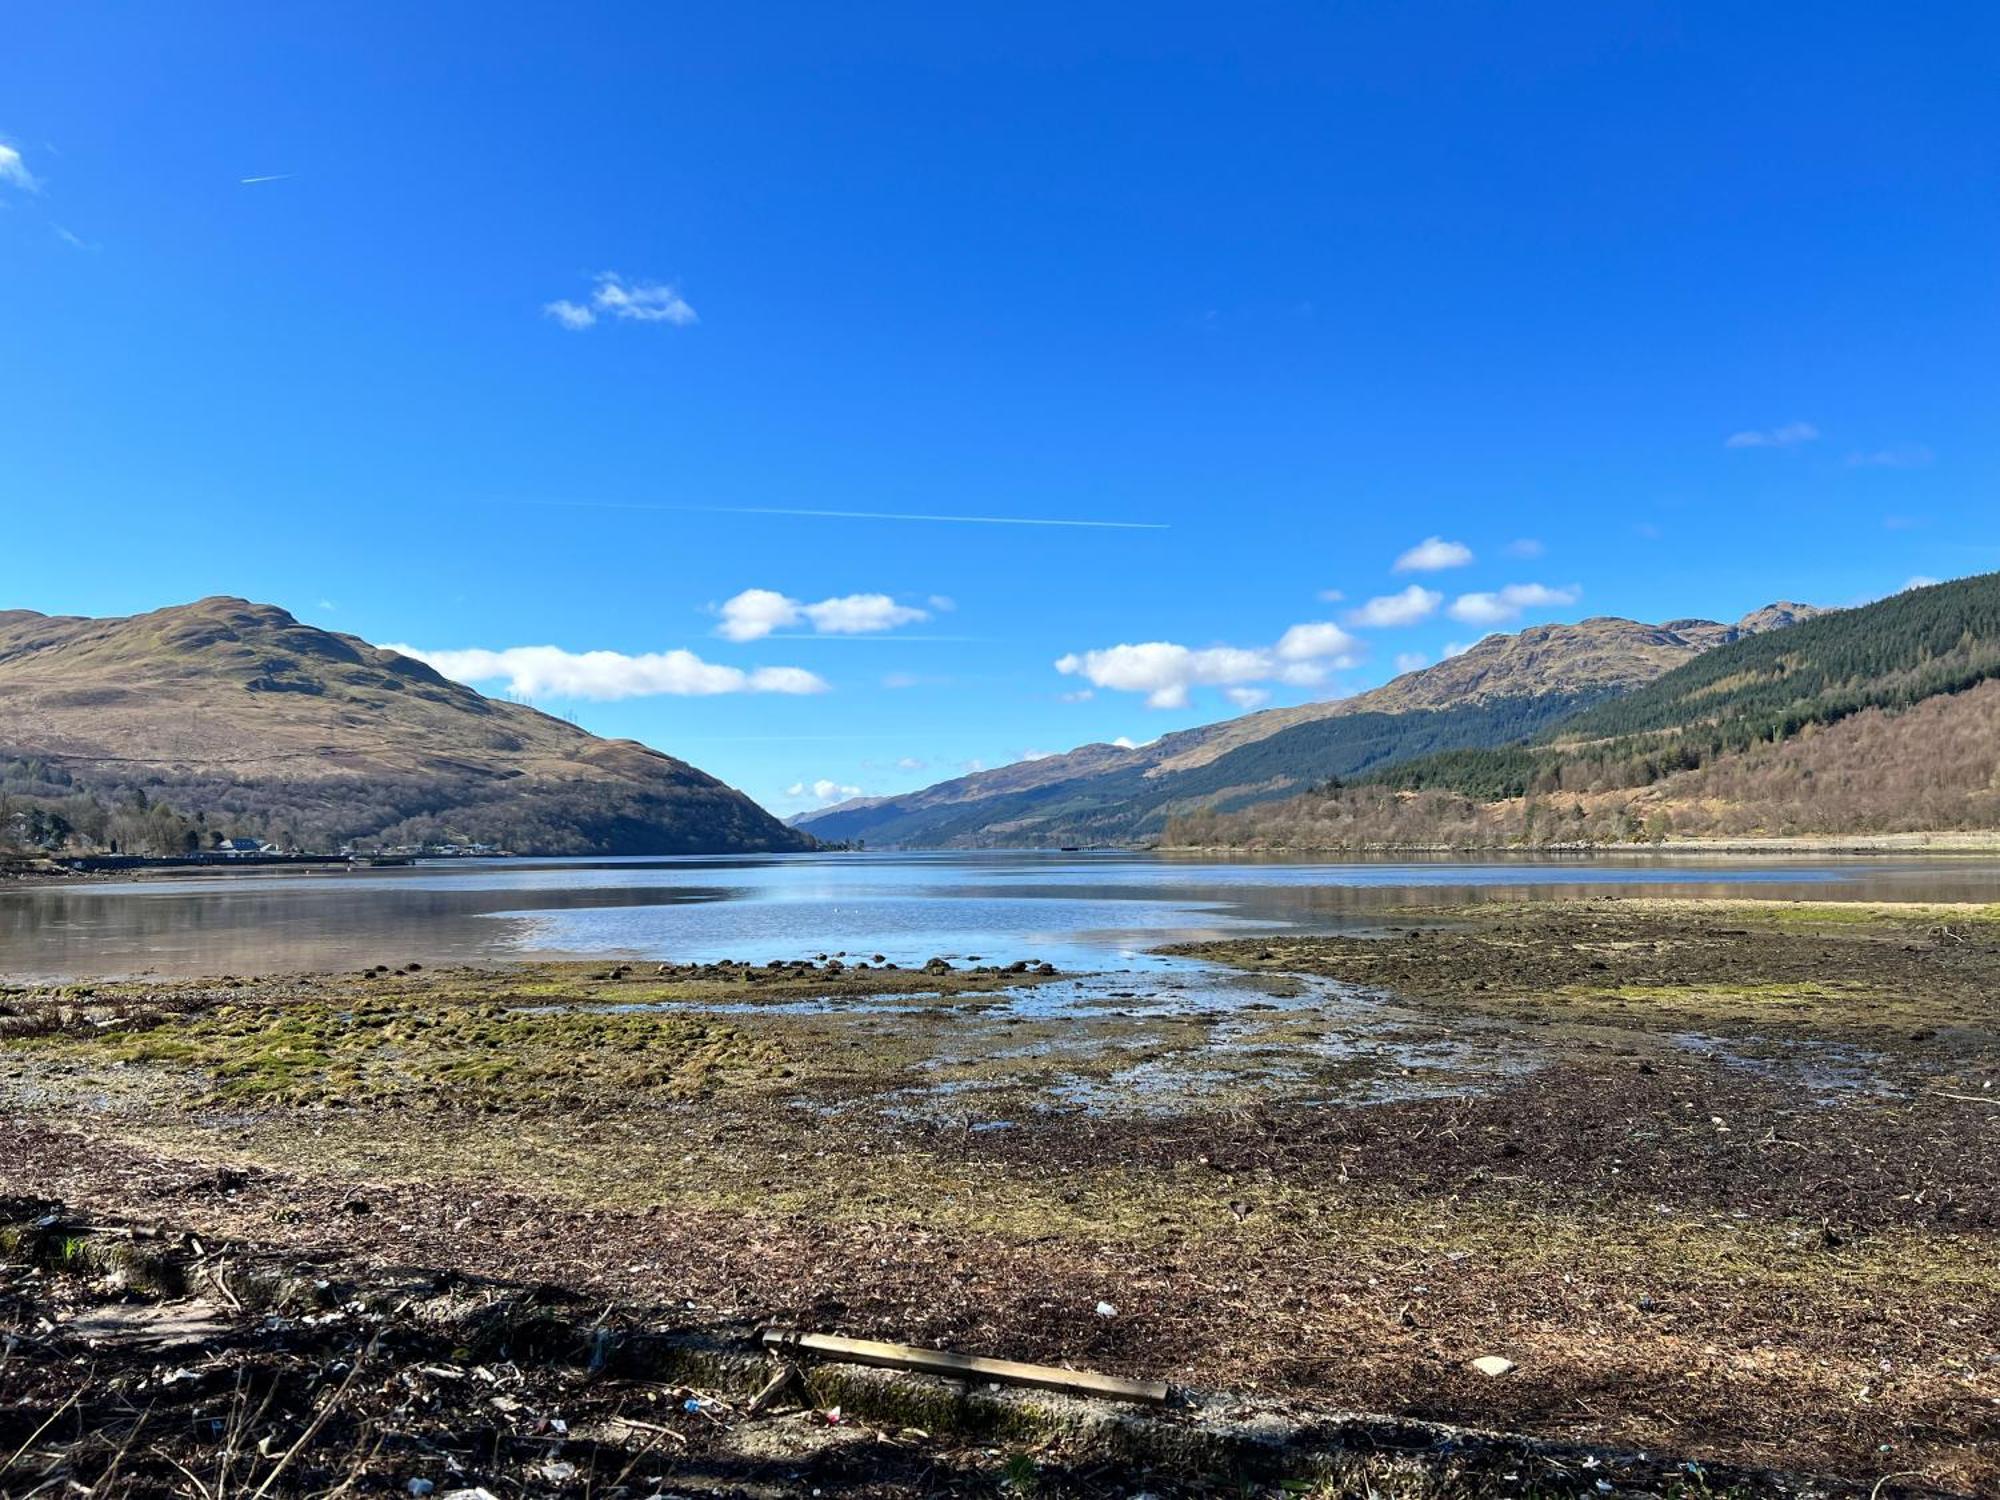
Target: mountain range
(240, 718)
(1505, 690)
(225, 716)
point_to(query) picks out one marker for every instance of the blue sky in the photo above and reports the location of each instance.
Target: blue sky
(564, 327)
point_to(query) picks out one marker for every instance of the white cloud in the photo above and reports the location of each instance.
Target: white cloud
(823, 790)
(1126, 742)
(570, 314)
(975, 764)
(861, 614)
(1166, 671)
(1525, 546)
(1331, 596)
(1027, 755)
(1432, 554)
(755, 613)
(1314, 642)
(1789, 435)
(1494, 608)
(1411, 605)
(1910, 456)
(1919, 581)
(634, 302)
(1247, 697)
(1409, 661)
(911, 763)
(14, 172)
(537, 671)
(1081, 695)
(1455, 648)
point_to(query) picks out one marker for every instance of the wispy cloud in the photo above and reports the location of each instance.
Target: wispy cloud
(1788, 435)
(1525, 546)
(605, 676)
(755, 613)
(1433, 554)
(14, 171)
(1407, 608)
(852, 515)
(1919, 581)
(1507, 603)
(267, 177)
(1908, 456)
(1166, 672)
(612, 296)
(1409, 661)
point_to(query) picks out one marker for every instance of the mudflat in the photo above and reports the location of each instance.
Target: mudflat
(1719, 1181)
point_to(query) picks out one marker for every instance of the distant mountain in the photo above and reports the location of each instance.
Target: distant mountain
(1879, 719)
(1504, 690)
(239, 714)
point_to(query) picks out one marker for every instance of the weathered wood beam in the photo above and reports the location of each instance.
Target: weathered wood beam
(968, 1366)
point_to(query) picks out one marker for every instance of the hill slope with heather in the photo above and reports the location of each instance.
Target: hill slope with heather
(237, 717)
(1879, 720)
(1505, 690)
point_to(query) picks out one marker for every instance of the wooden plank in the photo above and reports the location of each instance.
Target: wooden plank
(968, 1366)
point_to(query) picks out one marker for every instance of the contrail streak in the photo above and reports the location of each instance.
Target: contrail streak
(860, 515)
(274, 177)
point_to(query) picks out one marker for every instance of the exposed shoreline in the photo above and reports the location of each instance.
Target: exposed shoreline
(1701, 1170)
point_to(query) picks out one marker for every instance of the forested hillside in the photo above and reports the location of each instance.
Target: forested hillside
(1878, 719)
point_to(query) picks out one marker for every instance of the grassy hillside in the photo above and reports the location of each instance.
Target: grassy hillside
(1875, 719)
(228, 716)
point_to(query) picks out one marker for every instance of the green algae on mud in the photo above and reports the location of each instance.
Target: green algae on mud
(1905, 981)
(490, 1039)
(378, 1052)
(966, 1045)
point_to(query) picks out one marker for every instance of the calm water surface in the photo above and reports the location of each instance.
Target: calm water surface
(1082, 911)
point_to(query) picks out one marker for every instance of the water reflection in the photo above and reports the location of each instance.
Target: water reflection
(1079, 911)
